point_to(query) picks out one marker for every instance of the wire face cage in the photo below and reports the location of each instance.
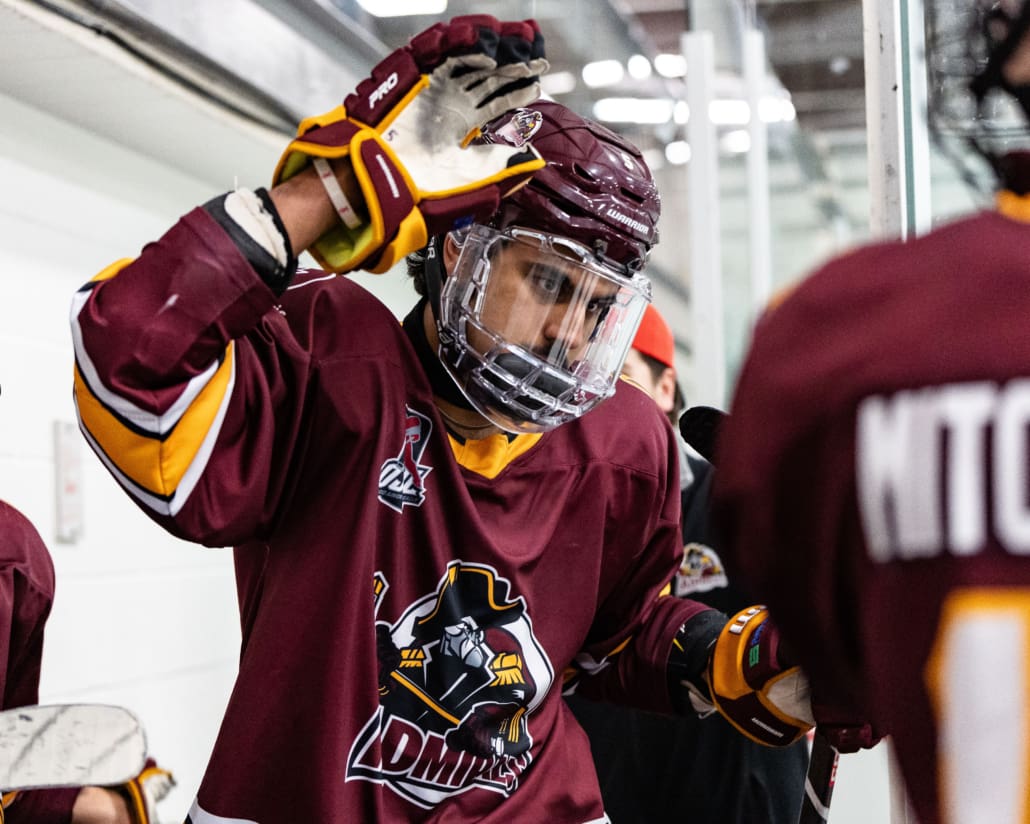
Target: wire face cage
(972, 119)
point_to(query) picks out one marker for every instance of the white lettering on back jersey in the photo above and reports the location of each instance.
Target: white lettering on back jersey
(922, 453)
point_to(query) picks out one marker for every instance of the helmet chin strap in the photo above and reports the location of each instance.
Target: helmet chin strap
(434, 274)
(441, 382)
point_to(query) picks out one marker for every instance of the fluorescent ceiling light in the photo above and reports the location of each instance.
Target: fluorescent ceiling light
(603, 73)
(776, 110)
(633, 110)
(670, 65)
(736, 142)
(677, 152)
(402, 8)
(558, 82)
(639, 67)
(729, 112)
(733, 112)
(725, 112)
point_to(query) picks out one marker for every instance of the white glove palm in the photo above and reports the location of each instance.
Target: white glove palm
(407, 131)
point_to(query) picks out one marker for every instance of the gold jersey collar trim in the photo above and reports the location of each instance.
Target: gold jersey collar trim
(489, 456)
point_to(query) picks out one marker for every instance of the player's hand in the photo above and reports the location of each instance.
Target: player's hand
(754, 685)
(408, 130)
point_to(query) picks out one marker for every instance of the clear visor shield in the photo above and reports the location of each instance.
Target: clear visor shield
(533, 328)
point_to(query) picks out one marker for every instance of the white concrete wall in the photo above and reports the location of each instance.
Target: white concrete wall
(140, 619)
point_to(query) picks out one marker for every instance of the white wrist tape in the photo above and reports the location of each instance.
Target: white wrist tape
(246, 209)
(332, 188)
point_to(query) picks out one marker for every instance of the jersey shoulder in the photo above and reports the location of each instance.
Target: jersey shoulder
(22, 546)
(330, 315)
(895, 312)
(629, 429)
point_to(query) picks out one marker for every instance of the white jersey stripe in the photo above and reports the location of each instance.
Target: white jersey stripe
(191, 476)
(198, 815)
(148, 422)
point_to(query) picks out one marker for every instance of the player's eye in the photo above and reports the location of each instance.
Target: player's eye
(598, 306)
(548, 283)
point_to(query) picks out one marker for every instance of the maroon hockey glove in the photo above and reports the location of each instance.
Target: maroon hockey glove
(407, 131)
(754, 685)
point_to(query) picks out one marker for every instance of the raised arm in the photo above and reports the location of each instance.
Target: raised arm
(181, 359)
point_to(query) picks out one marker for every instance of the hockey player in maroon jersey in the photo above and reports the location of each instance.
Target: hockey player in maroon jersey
(874, 472)
(26, 596)
(434, 524)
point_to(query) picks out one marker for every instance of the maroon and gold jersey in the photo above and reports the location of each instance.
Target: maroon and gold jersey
(873, 486)
(26, 596)
(410, 603)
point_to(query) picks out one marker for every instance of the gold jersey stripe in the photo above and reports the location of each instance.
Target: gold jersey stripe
(977, 677)
(155, 464)
(489, 456)
(109, 272)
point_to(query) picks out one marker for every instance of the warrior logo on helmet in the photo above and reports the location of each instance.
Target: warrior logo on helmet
(459, 673)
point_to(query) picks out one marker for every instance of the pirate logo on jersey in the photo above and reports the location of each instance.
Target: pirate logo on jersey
(700, 571)
(401, 478)
(459, 673)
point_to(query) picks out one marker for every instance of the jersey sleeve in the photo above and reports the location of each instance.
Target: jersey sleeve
(194, 420)
(625, 659)
(26, 595)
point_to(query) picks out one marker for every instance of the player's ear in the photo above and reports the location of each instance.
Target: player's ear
(451, 250)
(665, 390)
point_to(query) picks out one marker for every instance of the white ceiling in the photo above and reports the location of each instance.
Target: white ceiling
(66, 69)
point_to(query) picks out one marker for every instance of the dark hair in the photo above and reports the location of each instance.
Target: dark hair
(416, 263)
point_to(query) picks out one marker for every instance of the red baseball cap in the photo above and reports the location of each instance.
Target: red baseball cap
(654, 338)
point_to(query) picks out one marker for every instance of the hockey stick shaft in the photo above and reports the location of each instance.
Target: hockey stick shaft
(819, 782)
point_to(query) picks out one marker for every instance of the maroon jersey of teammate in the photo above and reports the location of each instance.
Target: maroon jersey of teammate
(410, 603)
(873, 486)
(26, 596)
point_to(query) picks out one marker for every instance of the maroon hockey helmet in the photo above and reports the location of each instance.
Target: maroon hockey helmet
(596, 187)
(578, 235)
